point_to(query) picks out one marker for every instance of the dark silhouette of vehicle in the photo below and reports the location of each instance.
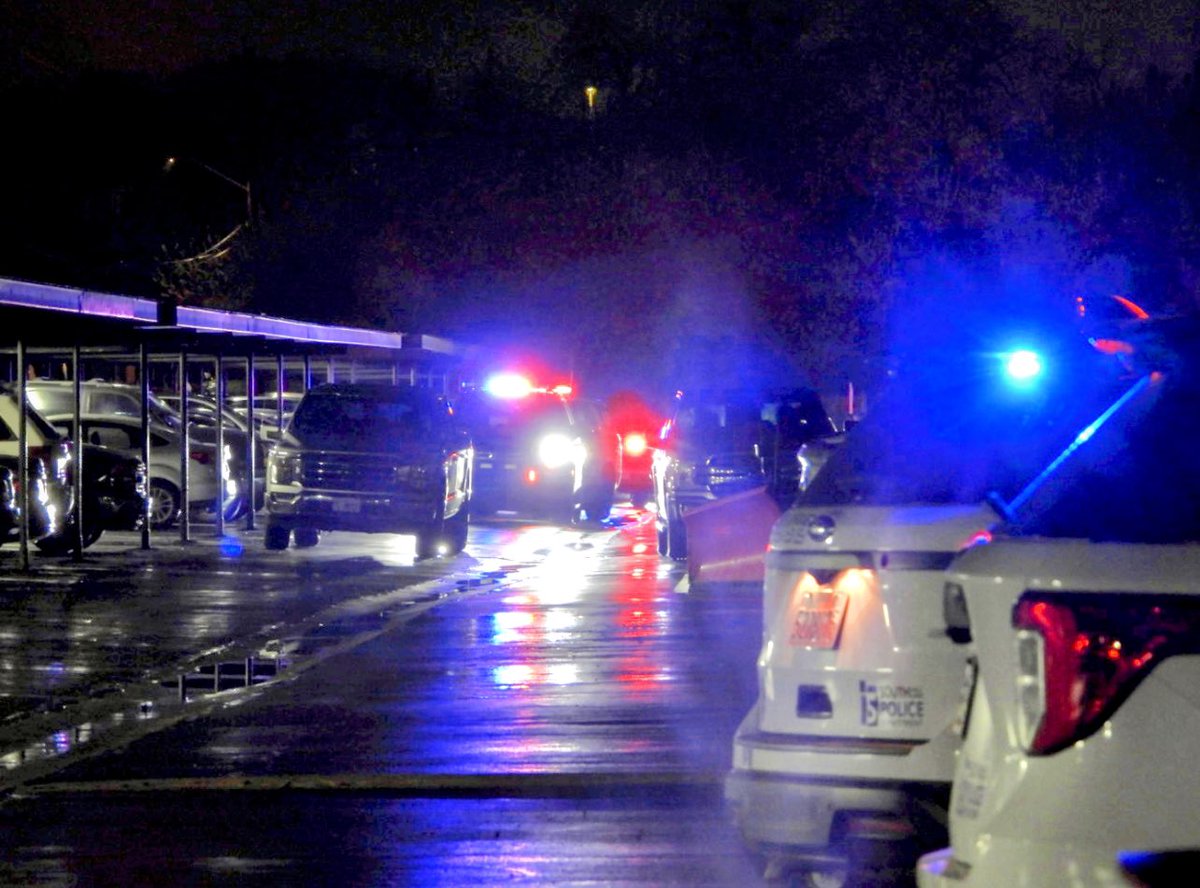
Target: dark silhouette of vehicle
(718, 443)
(542, 452)
(371, 458)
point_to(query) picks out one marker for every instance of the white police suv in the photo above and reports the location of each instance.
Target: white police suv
(1085, 617)
(843, 765)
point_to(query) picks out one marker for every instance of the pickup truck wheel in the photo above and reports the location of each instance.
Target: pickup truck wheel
(599, 508)
(456, 530)
(307, 537)
(676, 532)
(276, 537)
(431, 543)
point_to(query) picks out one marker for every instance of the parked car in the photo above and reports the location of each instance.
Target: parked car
(55, 398)
(10, 509)
(123, 436)
(1084, 616)
(49, 458)
(843, 765)
(372, 458)
(718, 443)
(540, 452)
(114, 490)
(202, 415)
(268, 420)
(45, 523)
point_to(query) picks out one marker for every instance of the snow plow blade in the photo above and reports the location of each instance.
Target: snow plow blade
(727, 538)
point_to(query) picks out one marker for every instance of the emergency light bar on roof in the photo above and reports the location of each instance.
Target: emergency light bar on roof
(25, 294)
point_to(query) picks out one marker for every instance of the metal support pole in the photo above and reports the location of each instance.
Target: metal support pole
(23, 455)
(185, 446)
(280, 384)
(307, 371)
(220, 455)
(251, 456)
(144, 382)
(77, 479)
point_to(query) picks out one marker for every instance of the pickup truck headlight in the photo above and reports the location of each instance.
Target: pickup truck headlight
(556, 450)
(283, 467)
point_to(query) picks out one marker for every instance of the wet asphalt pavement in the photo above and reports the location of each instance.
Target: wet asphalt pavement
(551, 708)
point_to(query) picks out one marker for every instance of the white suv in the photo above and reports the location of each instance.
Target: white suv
(843, 765)
(1085, 617)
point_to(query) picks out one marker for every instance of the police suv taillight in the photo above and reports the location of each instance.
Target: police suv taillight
(1080, 656)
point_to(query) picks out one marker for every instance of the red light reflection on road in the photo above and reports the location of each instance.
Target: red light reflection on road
(641, 616)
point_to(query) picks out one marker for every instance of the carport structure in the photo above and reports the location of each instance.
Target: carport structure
(51, 332)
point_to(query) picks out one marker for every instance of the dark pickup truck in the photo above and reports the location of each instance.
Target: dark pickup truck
(371, 458)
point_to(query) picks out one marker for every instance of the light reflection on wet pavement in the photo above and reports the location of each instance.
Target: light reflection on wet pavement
(579, 669)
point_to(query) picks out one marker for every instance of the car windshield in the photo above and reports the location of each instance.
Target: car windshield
(326, 413)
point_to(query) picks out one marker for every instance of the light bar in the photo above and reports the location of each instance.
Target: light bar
(508, 385)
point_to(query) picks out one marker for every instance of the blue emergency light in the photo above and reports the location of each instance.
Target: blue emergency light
(1022, 365)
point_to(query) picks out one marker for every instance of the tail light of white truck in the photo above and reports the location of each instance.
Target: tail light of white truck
(1080, 656)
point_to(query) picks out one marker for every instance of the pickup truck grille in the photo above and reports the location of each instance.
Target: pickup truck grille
(347, 471)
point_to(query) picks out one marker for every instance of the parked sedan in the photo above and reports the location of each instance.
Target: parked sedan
(124, 436)
(1085, 620)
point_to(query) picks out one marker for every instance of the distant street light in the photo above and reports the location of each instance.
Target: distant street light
(220, 247)
(589, 92)
(173, 162)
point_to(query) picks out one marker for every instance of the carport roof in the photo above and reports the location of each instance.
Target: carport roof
(48, 314)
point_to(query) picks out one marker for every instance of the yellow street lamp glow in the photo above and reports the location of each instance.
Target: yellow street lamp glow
(590, 92)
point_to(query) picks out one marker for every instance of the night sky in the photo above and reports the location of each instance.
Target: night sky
(170, 35)
(760, 183)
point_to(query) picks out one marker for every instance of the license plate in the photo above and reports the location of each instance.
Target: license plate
(485, 465)
(347, 505)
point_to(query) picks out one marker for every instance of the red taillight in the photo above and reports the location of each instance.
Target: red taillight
(635, 444)
(1081, 655)
(531, 476)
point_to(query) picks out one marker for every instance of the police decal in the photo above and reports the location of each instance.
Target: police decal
(890, 706)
